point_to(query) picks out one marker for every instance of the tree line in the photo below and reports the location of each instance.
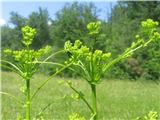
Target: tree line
(117, 33)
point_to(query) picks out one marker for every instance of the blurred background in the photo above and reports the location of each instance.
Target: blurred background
(57, 22)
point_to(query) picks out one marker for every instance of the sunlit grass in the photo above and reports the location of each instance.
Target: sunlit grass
(117, 99)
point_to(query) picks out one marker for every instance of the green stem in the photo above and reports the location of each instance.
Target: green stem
(94, 101)
(13, 65)
(28, 99)
(119, 58)
(12, 96)
(94, 43)
(53, 55)
(93, 86)
(57, 72)
(82, 97)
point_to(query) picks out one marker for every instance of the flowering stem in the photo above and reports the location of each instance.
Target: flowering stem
(119, 58)
(28, 99)
(94, 101)
(93, 86)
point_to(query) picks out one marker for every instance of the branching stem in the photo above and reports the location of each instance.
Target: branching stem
(40, 87)
(82, 97)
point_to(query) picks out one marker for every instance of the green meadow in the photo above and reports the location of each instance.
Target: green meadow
(117, 99)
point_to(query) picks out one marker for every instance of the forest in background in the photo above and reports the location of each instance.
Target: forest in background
(117, 33)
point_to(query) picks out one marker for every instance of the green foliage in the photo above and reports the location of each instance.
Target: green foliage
(38, 20)
(65, 28)
(142, 10)
(151, 64)
(17, 20)
(9, 38)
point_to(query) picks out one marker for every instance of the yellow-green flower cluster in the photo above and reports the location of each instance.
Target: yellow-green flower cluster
(149, 31)
(149, 23)
(89, 61)
(94, 27)
(76, 50)
(25, 56)
(28, 35)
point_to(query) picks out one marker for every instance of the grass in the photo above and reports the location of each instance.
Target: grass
(117, 99)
